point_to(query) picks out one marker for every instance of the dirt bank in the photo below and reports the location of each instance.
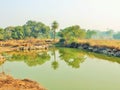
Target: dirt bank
(7, 82)
(5, 49)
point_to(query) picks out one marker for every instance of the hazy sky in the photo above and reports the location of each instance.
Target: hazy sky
(89, 14)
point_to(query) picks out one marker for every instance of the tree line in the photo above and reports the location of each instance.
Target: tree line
(30, 29)
(33, 29)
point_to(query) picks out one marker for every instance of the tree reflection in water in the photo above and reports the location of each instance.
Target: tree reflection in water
(31, 58)
(73, 57)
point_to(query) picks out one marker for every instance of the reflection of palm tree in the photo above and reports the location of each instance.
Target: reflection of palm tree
(55, 63)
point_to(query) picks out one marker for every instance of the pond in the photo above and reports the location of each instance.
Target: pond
(65, 69)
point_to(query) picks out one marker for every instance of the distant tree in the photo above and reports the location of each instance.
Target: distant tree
(103, 34)
(109, 34)
(90, 33)
(54, 26)
(116, 35)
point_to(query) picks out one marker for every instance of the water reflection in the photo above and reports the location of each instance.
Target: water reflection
(73, 57)
(32, 58)
(55, 63)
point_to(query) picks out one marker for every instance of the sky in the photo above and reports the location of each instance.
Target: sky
(89, 14)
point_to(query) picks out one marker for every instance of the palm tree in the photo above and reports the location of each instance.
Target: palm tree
(54, 26)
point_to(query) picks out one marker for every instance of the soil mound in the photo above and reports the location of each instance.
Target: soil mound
(7, 82)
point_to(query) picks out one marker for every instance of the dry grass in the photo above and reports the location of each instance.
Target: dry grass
(5, 49)
(106, 43)
(21, 42)
(11, 45)
(27, 42)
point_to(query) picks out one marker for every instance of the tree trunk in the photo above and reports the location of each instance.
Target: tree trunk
(54, 36)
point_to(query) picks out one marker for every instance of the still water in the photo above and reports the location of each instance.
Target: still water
(65, 69)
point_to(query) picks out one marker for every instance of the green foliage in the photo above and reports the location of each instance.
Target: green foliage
(37, 30)
(18, 33)
(1, 34)
(30, 29)
(55, 25)
(73, 33)
(8, 33)
(33, 29)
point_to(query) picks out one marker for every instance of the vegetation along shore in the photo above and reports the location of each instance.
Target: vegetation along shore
(38, 36)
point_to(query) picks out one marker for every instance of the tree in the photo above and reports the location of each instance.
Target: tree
(18, 33)
(27, 31)
(8, 32)
(55, 26)
(1, 34)
(72, 34)
(37, 29)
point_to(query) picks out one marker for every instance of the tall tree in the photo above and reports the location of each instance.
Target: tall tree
(55, 26)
